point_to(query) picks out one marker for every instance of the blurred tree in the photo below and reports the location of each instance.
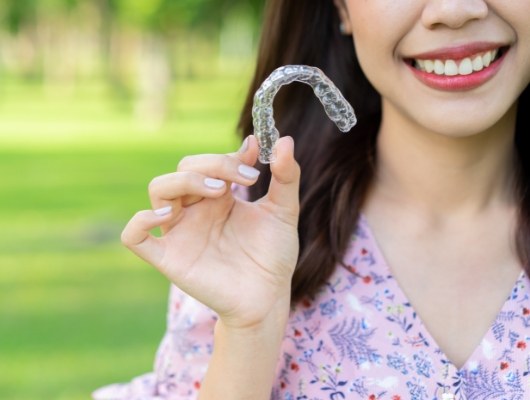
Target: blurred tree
(167, 15)
(164, 22)
(17, 13)
(137, 43)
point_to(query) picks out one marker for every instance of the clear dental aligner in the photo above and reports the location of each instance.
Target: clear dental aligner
(336, 106)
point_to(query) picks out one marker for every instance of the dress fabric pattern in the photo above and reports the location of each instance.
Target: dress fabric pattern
(359, 338)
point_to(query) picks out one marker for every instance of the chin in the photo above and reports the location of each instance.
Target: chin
(466, 124)
(470, 131)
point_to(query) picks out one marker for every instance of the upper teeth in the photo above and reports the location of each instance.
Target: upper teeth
(457, 67)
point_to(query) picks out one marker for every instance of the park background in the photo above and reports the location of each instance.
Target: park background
(96, 98)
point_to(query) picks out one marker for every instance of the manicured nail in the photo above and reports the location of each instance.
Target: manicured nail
(214, 183)
(248, 171)
(244, 146)
(163, 211)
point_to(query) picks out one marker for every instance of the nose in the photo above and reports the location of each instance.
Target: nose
(453, 13)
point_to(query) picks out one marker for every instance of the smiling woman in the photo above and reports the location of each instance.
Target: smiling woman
(390, 263)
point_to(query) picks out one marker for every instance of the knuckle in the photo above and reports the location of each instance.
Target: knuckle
(140, 218)
(186, 177)
(184, 163)
(124, 238)
(178, 183)
(137, 216)
(134, 223)
(153, 184)
(227, 164)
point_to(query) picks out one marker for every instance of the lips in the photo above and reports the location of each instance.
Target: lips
(457, 69)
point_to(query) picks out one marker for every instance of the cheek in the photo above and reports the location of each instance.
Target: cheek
(378, 29)
(378, 26)
(378, 67)
(373, 42)
(375, 49)
(515, 13)
(521, 28)
(523, 36)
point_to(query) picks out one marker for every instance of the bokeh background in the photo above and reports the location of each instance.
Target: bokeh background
(96, 98)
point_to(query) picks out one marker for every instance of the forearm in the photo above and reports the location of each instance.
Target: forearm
(244, 361)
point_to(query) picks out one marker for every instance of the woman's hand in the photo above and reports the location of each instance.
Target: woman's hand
(234, 256)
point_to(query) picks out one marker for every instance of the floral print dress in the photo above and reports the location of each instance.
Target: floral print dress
(359, 338)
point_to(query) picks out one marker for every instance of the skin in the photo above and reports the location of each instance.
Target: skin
(239, 269)
(453, 199)
(410, 27)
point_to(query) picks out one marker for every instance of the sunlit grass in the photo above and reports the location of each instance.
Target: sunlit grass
(200, 112)
(77, 310)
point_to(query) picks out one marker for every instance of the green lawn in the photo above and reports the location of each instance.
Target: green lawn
(77, 310)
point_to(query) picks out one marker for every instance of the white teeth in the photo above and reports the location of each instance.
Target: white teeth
(439, 67)
(451, 69)
(486, 59)
(465, 66)
(494, 54)
(477, 63)
(429, 65)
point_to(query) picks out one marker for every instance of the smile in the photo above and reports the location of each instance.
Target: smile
(458, 70)
(454, 67)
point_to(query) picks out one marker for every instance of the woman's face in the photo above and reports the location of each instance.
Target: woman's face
(451, 66)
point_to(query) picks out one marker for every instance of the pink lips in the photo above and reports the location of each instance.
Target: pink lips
(458, 82)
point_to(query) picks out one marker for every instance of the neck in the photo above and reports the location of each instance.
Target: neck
(437, 174)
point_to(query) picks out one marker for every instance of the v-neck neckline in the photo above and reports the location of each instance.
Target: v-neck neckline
(381, 259)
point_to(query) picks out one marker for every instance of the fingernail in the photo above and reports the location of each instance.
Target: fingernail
(214, 183)
(244, 146)
(248, 171)
(163, 211)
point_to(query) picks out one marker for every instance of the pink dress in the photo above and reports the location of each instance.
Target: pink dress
(359, 338)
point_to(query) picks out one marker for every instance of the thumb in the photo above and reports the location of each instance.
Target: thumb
(285, 180)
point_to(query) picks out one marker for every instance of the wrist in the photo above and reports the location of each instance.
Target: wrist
(245, 357)
(273, 321)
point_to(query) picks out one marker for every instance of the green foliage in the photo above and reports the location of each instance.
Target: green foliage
(166, 16)
(156, 15)
(137, 12)
(16, 13)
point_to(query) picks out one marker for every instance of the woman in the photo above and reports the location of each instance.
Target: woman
(387, 263)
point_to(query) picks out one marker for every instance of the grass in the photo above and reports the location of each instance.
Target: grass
(77, 310)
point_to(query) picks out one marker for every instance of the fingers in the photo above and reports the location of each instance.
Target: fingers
(205, 176)
(248, 152)
(208, 176)
(234, 167)
(137, 237)
(285, 181)
(198, 177)
(184, 186)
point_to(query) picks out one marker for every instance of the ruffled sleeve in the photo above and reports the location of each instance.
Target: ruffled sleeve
(183, 355)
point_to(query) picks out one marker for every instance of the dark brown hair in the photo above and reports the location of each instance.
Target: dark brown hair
(337, 168)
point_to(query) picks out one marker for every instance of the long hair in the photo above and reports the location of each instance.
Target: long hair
(337, 168)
